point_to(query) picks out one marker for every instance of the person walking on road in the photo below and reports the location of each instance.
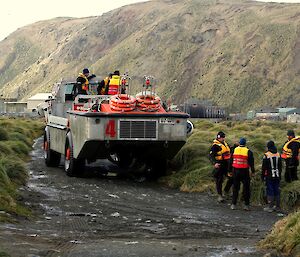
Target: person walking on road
(290, 153)
(242, 159)
(271, 174)
(219, 156)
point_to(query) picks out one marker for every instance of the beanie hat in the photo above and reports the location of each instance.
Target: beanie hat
(271, 146)
(85, 71)
(243, 141)
(221, 134)
(290, 133)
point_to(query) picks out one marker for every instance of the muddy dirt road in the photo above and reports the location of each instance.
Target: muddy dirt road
(110, 216)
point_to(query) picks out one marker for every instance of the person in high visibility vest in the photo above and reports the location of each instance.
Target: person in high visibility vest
(219, 156)
(83, 81)
(114, 83)
(102, 88)
(242, 160)
(271, 173)
(290, 153)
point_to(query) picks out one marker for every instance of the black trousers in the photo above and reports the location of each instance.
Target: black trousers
(241, 176)
(229, 184)
(290, 172)
(219, 175)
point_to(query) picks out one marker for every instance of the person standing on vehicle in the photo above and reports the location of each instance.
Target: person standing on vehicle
(219, 156)
(290, 152)
(114, 83)
(83, 81)
(102, 88)
(271, 174)
(242, 159)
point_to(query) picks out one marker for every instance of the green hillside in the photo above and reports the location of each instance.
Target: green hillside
(240, 54)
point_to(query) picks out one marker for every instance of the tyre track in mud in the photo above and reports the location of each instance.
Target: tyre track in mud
(101, 216)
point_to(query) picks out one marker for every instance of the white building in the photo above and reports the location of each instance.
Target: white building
(35, 100)
(293, 118)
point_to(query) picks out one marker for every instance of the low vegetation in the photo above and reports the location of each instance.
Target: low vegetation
(193, 171)
(16, 139)
(285, 235)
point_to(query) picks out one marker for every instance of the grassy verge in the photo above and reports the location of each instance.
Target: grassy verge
(285, 236)
(16, 138)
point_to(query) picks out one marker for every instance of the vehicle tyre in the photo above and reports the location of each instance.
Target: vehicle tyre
(126, 160)
(157, 168)
(52, 158)
(73, 167)
(189, 127)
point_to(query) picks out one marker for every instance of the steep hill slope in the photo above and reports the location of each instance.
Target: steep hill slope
(241, 54)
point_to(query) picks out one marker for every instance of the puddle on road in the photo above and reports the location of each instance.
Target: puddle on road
(52, 193)
(37, 152)
(231, 250)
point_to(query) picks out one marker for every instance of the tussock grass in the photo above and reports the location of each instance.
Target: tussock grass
(285, 235)
(3, 134)
(290, 194)
(16, 137)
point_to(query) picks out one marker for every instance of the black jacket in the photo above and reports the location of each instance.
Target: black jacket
(294, 146)
(80, 81)
(213, 153)
(266, 168)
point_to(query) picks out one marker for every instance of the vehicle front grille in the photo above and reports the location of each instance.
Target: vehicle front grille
(138, 129)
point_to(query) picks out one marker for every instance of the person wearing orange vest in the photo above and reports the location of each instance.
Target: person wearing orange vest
(242, 159)
(271, 174)
(83, 81)
(102, 88)
(290, 153)
(219, 156)
(114, 83)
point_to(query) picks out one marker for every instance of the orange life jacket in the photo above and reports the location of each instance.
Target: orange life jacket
(240, 157)
(103, 90)
(287, 152)
(224, 153)
(85, 85)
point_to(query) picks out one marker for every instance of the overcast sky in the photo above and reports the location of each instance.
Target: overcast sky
(18, 13)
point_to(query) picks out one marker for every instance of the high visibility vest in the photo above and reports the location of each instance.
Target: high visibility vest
(85, 85)
(224, 153)
(106, 81)
(287, 152)
(114, 84)
(274, 166)
(240, 157)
